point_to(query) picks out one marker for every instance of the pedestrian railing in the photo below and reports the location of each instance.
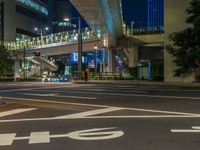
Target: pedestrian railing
(52, 40)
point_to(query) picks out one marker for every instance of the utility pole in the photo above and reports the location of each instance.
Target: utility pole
(24, 62)
(79, 48)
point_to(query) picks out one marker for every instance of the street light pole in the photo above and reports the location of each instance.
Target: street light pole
(79, 44)
(79, 48)
(132, 23)
(41, 30)
(24, 62)
(95, 58)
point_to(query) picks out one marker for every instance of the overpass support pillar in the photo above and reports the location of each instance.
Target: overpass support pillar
(16, 68)
(133, 57)
(111, 61)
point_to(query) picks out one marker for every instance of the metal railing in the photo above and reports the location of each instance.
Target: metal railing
(52, 40)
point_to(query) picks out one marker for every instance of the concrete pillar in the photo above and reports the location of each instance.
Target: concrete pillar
(111, 61)
(133, 56)
(175, 16)
(16, 68)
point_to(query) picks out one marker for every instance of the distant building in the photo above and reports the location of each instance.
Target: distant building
(59, 10)
(18, 18)
(155, 14)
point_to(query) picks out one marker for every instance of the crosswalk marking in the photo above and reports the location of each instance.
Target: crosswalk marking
(15, 111)
(7, 139)
(39, 137)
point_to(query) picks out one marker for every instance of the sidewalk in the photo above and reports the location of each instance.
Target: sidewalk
(139, 82)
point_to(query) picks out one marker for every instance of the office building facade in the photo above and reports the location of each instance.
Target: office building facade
(18, 18)
(59, 10)
(155, 14)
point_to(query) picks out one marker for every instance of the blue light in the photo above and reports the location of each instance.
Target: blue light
(74, 58)
(34, 5)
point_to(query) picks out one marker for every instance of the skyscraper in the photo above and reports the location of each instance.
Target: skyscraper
(59, 10)
(155, 14)
(19, 17)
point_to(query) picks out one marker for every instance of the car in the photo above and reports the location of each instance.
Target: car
(50, 79)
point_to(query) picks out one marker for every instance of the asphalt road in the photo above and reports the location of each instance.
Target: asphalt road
(58, 116)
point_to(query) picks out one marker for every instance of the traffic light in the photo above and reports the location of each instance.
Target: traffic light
(37, 53)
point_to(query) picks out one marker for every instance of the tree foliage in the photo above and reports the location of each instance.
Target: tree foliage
(6, 62)
(186, 43)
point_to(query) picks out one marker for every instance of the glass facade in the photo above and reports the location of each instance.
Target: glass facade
(68, 63)
(61, 10)
(155, 14)
(32, 14)
(34, 5)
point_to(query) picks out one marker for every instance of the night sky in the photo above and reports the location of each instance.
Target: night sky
(135, 10)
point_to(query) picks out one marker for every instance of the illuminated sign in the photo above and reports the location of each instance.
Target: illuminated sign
(74, 58)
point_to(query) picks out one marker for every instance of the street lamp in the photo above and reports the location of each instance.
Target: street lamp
(79, 43)
(132, 23)
(41, 31)
(95, 59)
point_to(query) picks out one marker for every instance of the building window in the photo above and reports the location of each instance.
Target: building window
(34, 5)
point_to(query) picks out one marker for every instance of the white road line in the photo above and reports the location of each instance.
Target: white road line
(136, 95)
(7, 139)
(44, 137)
(39, 137)
(33, 94)
(101, 106)
(196, 127)
(112, 90)
(30, 89)
(54, 102)
(185, 131)
(15, 111)
(162, 111)
(56, 95)
(101, 117)
(90, 113)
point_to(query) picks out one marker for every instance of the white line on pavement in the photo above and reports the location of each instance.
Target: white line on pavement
(101, 106)
(54, 102)
(44, 137)
(7, 139)
(196, 127)
(30, 89)
(185, 131)
(39, 137)
(100, 117)
(56, 95)
(15, 111)
(92, 112)
(84, 115)
(136, 95)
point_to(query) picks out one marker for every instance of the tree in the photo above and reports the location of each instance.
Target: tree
(186, 44)
(6, 62)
